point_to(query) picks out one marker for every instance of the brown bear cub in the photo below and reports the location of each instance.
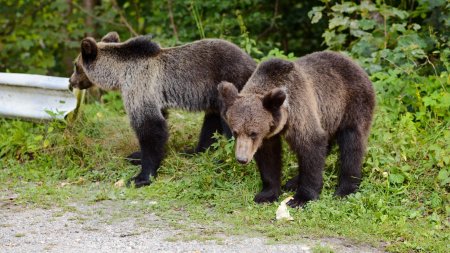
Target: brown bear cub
(313, 101)
(153, 79)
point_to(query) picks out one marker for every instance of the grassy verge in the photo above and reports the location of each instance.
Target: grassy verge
(402, 204)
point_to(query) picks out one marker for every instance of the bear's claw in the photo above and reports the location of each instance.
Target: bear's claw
(296, 203)
(140, 183)
(344, 190)
(266, 197)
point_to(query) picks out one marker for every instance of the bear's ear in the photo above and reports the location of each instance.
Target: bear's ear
(227, 93)
(274, 99)
(111, 37)
(88, 49)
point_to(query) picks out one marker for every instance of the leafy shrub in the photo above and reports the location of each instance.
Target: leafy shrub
(408, 35)
(404, 45)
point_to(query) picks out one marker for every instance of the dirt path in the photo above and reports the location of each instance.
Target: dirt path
(105, 227)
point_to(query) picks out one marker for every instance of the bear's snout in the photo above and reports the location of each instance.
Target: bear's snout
(244, 150)
(242, 160)
(72, 84)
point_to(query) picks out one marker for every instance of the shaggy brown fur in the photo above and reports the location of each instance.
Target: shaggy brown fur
(312, 101)
(152, 79)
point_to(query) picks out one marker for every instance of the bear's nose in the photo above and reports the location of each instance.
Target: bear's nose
(71, 84)
(242, 160)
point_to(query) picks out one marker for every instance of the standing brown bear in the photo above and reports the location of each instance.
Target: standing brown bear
(152, 79)
(318, 98)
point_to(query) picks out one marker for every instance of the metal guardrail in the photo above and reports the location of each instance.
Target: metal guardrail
(37, 97)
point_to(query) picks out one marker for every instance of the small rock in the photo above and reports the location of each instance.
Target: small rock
(120, 183)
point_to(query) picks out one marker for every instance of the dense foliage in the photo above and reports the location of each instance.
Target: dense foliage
(403, 45)
(43, 36)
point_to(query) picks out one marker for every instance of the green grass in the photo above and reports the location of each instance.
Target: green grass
(403, 204)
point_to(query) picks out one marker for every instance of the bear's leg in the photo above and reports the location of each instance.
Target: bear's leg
(211, 124)
(311, 157)
(351, 148)
(135, 157)
(268, 159)
(291, 184)
(152, 135)
(226, 131)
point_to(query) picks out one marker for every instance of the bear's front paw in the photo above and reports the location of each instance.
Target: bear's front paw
(266, 197)
(345, 189)
(296, 202)
(140, 182)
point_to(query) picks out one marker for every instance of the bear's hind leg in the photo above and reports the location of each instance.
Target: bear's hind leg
(268, 159)
(311, 158)
(211, 123)
(351, 147)
(226, 131)
(291, 184)
(134, 158)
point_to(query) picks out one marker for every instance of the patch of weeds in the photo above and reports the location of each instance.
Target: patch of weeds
(322, 249)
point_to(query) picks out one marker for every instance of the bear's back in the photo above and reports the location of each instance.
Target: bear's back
(216, 59)
(342, 89)
(335, 68)
(189, 74)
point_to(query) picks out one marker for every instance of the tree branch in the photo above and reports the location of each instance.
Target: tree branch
(272, 21)
(96, 18)
(123, 19)
(172, 22)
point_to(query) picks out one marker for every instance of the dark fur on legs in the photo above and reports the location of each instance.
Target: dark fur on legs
(152, 135)
(135, 157)
(211, 124)
(291, 184)
(268, 158)
(311, 160)
(351, 147)
(226, 131)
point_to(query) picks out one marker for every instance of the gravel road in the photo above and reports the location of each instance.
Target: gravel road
(102, 227)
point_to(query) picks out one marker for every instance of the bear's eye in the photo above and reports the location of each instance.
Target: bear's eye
(253, 135)
(235, 133)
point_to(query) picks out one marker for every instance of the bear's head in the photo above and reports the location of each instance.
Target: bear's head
(89, 51)
(252, 117)
(109, 62)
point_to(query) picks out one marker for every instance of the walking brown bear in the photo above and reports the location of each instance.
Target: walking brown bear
(318, 98)
(153, 79)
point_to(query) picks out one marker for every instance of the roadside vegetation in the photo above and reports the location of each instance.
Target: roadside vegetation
(403, 203)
